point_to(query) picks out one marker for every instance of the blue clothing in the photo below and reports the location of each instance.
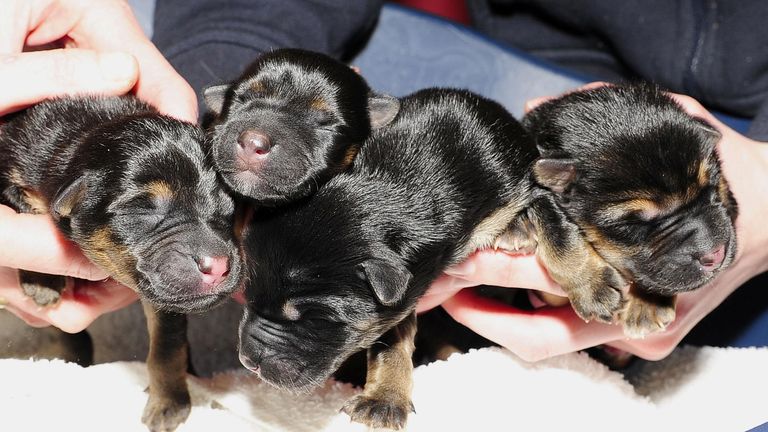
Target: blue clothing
(536, 47)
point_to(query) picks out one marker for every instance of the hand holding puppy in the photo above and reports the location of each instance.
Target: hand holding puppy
(51, 48)
(553, 331)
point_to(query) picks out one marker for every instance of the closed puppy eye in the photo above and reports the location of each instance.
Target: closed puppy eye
(640, 208)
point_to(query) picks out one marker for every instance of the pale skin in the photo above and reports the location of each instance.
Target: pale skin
(551, 331)
(51, 48)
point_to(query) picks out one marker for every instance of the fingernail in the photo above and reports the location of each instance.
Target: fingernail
(3, 302)
(466, 268)
(118, 67)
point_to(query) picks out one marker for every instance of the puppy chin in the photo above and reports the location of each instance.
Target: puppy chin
(286, 375)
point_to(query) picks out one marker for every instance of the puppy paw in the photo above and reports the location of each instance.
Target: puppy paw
(44, 289)
(517, 240)
(646, 315)
(43, 296)
(602, 301)
(379, 411)
(165, 414)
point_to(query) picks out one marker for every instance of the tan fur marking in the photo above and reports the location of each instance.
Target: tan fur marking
(114, 258)
(703, 174)
(389, 380)
(349, 156)
(319, 104)
(489, 229)
(159, 189)
(647, 208)
(243, 216)
(722, 192)
(33, 199)
(257, 86)
(36, 202)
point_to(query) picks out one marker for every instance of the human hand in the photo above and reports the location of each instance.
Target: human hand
(546, 332)
(104, 51)
(32, 242)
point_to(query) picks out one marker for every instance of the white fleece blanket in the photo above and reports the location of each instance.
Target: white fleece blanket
(706, 389)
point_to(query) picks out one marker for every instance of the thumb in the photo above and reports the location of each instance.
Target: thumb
(39, 75)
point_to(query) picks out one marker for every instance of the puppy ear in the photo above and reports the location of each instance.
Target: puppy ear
(69, 198)
(388, 280)
(382, 109)
(555, 174)
(712, 135)
(214, 97)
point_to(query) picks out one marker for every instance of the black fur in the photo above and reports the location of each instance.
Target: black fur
(331, 274)
(135, 190)
(307, 114)
(604, 147)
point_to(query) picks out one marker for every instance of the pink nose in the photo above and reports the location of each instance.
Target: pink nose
(214, 269)
(711, 261)
(253, 144)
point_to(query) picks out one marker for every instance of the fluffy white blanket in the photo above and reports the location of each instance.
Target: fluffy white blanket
(712, 389)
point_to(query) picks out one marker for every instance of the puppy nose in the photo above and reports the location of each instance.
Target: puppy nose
(214, 269)
(712, 260)
(254, 142)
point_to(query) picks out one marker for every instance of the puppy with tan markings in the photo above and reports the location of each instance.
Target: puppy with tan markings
(642, 180)
(342, 270)
(135, 191)
(292, 120)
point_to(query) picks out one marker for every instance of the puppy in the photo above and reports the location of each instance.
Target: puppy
(642, 180)
(135, 191)
(292, 120)
(342, 270)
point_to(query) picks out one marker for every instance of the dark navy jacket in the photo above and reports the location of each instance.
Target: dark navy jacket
(713, 50)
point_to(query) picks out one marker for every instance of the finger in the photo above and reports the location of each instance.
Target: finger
(442, 289)
(44, 74)
(29, 319)
(530, 104)
(15, 21)
(32, 242)
(532, 335)
(489, 267)
(78, 308)
(696, 109)
(158, 82)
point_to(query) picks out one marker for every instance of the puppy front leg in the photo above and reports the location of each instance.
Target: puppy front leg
(169, 403)
(646, 313)
(593, 286)
(386, 398)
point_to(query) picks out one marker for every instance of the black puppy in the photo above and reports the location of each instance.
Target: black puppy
(292, 120)
(135, 191)
(642, 179)
(342, 270)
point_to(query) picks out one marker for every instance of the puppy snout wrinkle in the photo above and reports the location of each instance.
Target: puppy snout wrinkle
(253, 144)
(711, 261)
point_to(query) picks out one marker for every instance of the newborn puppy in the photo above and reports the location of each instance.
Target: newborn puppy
(292, 120)
(134, 190)
(342, 270)
(642, 180)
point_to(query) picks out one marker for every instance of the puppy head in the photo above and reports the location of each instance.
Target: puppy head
(318, 291)
(290, 121)
(642, 179)
(154, 215)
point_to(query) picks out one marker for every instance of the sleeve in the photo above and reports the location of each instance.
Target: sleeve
(211, 41)
(758, 128)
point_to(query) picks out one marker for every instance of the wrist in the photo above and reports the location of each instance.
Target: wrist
(745, 166)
